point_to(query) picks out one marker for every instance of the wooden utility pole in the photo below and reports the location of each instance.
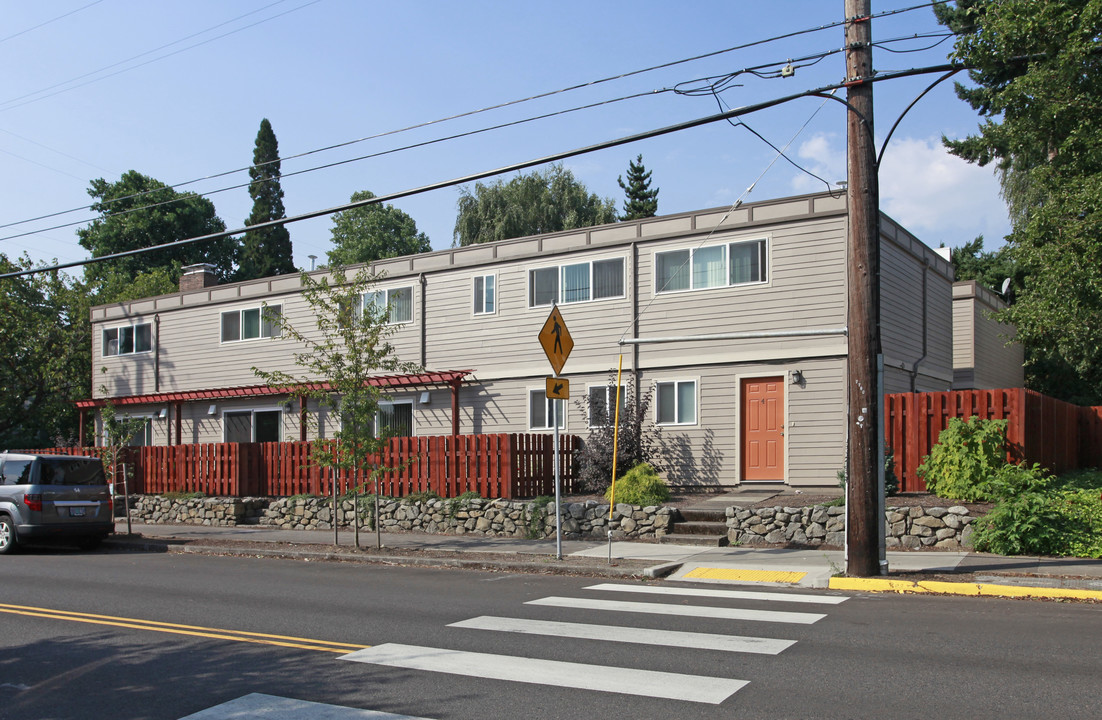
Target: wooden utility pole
(862, 543)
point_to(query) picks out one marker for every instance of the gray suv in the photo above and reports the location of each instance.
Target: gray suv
(53, 496)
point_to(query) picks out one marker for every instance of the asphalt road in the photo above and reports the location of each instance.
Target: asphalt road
(102, 635)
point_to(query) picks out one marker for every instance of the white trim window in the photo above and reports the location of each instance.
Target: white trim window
(735, 263)
(485, 294)
(395, 418)
(602, 399)
(142, 437)
(675, 402)
(540, 410)
(128, 340)
(243, 426)
(576, 282)
(252, 323)
(398, 301)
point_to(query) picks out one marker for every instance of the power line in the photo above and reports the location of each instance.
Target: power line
(488, 108)
(51, 20)
(555, 157)
(337, 163)
(14, 103)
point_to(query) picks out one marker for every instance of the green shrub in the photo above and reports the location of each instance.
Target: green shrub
(179, 496)
(1061, 522)
(965, 459)
(422, 496)
(1011, 481)
(640, 486)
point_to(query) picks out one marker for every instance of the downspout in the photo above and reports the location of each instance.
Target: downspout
(424, 281)
(925, 319)
(635, 317)
(157, 353)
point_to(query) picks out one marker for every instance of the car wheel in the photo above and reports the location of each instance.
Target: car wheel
(7, 536)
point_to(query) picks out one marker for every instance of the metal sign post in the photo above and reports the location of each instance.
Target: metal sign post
(557, 344)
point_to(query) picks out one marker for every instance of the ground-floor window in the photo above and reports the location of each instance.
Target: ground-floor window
(243, 426)
(602, 403)
(675, 402)
(540, 411)
(395, 419)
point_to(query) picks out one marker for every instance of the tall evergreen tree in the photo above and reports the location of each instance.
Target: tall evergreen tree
(640, 201)
(268, 251)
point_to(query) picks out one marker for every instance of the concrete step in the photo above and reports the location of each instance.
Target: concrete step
(683, 539)
(699, 514)
(699, 528)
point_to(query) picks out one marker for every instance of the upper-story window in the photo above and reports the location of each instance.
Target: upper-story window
(737, 263)
(251, 323)
(485, 295)
(128, 340)
(398, 301)
(577, 282)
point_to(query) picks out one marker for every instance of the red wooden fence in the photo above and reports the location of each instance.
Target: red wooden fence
(1056, 434)
(495, 466)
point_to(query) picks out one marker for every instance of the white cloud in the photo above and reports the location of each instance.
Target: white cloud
(824, 155)
(938, 196)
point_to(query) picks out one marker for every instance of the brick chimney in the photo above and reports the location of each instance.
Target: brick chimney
(197, 277)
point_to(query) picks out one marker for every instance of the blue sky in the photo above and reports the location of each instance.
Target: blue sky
(177, 91)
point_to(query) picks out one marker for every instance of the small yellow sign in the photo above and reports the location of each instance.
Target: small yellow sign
(556, 340)
(558, 388)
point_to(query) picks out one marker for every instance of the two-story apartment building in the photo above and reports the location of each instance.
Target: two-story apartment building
(734, 320)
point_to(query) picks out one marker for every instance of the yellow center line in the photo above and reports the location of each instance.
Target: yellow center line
(176, 629)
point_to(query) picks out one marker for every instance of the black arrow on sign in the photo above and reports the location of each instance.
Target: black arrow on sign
(558, 388)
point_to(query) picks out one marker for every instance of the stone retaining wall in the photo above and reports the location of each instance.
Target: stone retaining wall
(909, 528)
(495, 518)
(225, 512)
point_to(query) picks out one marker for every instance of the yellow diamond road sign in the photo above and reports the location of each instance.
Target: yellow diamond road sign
(558, 388)
(556, 340)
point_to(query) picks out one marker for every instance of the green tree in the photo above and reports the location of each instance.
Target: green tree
(990, 269)
(1038, 87)
(46, 363)
(532, 204)
(640, 201)
(140, 212)
(347, 346)
(372, 232)
(268, 251)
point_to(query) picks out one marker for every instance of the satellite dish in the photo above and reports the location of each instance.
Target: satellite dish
(1006, 287)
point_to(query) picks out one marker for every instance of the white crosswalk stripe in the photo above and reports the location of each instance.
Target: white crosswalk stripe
(725, 594)
(649, 683)
(701, 611)
(612, 633)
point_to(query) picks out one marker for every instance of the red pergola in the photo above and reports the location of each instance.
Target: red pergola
(450, 378)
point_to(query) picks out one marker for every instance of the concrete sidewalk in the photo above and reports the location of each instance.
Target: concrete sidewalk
(761, 566)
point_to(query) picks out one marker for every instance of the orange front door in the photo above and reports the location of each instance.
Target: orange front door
(763, 429)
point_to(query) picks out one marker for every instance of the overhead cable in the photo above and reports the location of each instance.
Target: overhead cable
(488, 108)
(555, 157)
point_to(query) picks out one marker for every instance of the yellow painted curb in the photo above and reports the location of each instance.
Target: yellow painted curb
(951, 588)
(775, 576)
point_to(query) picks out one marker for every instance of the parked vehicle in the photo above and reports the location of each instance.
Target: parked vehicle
(53, 496)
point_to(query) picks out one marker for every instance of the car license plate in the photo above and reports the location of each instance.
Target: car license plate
(76, 512)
